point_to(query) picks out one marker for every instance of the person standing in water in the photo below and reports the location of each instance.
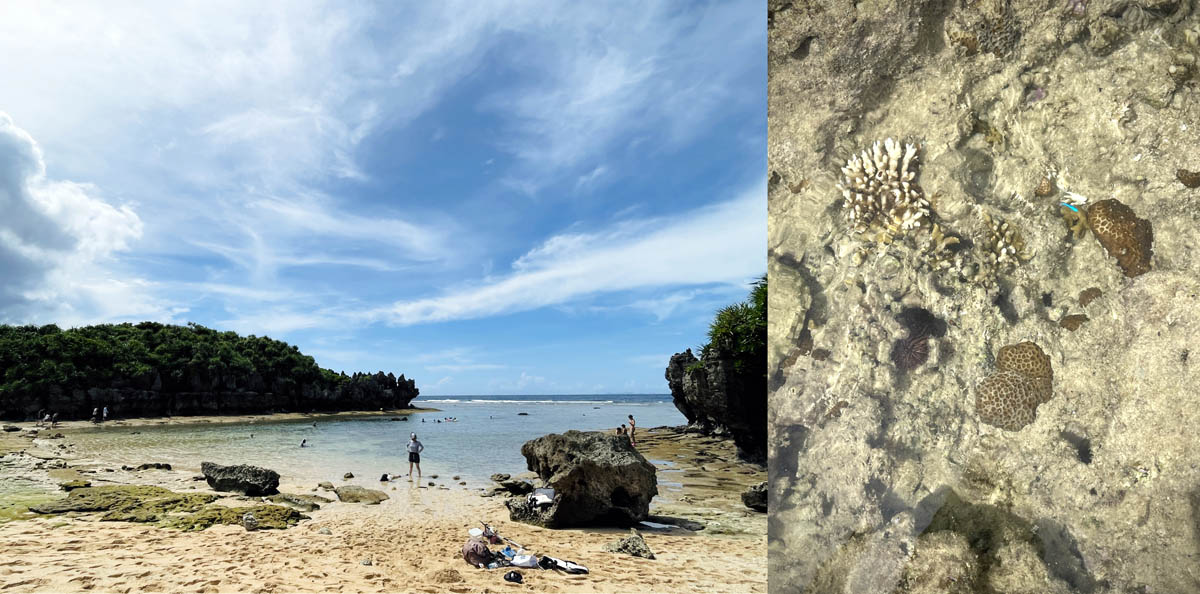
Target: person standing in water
(414, 455)
(632, 428)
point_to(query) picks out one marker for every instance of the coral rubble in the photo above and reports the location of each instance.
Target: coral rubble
(1126, 237)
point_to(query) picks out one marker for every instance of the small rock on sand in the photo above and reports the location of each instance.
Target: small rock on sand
(348, 476)
(633, 544)
(500, 476)
(324, 531)
(446, 576)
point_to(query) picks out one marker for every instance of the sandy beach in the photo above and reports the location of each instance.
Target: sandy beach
(410, 542)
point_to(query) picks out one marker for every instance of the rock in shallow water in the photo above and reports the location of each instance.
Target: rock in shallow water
(250, 480)
(357, 494)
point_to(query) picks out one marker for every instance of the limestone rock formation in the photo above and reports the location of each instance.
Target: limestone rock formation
(719, 400)
(633, 545)
(357, 494)
(249, 480)
(755, 497)
(597, 478)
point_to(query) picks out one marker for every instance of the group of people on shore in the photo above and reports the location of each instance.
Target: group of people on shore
(46, 418)
(99, 416)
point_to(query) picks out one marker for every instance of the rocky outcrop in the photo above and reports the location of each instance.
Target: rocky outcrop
(357, 494)
(755, 497)
(597, 478)
(250, 480)
(719, 399)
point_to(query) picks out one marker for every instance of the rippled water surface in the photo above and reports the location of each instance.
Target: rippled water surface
(486, 438)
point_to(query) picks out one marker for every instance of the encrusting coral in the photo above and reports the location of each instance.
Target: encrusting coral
(1009, 398)
(1126, 237)
(878, 184)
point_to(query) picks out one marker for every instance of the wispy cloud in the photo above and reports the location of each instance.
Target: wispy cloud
(631, 255)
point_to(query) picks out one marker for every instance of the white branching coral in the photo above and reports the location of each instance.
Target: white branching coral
(878, 186)
(1007, 247)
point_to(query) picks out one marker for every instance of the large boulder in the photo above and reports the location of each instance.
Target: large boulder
(598, 479)
(718, 398)
(250, 480)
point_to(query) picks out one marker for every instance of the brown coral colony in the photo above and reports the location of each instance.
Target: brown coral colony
(1126, 237)
(1009, 398)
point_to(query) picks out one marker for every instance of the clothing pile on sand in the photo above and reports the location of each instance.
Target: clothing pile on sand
(477, 554)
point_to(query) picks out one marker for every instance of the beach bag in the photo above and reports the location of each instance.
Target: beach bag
(476, 552)
(529, 561)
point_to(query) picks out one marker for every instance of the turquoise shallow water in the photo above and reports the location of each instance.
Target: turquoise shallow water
(486, 439)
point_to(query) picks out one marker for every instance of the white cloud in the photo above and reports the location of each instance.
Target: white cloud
(724, 243)
(57, 240)
(591, 178)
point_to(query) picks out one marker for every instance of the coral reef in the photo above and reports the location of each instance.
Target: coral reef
(1126, 237)
(1009, 398)
(880, 182)
(1006, 247)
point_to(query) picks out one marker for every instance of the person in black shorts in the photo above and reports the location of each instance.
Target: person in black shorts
(414, 455)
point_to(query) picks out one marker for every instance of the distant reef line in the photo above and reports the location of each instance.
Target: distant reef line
(151, 370)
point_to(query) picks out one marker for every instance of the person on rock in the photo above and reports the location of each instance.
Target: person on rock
(632, 428)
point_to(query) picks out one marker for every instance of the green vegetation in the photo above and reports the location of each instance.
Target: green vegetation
(35, 360)
(739, 330)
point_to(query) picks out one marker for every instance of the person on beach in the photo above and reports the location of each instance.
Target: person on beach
(414, 455)
(105, 417)
(632, 428)
(41, 411)
(54, 420)
(95, 415)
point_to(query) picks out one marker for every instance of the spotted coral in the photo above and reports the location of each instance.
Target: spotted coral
(878, 184)
(1024, 378)
(1007, 400)
(1126, 237)
(1028, 359)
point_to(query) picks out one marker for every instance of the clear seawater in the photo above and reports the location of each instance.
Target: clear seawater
(485, 439)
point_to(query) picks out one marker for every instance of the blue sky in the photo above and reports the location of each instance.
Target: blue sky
(490, 197)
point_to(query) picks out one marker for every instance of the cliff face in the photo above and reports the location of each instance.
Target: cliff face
(146, 396)
(718, 399)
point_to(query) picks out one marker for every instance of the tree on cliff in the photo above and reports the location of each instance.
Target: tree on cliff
(741, 330)
(47, 367)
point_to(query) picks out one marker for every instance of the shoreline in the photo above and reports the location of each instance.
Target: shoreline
(412, 539)
(16, 440)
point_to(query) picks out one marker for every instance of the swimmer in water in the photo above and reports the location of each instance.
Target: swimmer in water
(303, 442)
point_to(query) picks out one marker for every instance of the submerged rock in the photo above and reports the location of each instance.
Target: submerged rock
(597, 478)
(357, 494)
(250, 480)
